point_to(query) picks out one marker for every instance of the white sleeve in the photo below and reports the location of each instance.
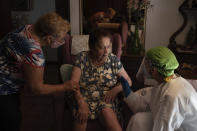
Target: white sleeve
(139, 101)
(170, 114)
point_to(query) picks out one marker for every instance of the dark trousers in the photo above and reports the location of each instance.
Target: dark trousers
(10, 114)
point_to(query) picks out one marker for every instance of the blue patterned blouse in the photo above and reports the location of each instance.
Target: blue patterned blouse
(17, 48)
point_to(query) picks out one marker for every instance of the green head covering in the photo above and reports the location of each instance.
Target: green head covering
(163, 59)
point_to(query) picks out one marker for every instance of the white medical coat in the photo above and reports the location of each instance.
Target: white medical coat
(173, 105)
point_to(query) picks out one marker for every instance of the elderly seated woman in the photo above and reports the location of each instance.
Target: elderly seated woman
(97, 72)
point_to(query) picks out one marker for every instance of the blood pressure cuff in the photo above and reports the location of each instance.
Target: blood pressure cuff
(126, 88)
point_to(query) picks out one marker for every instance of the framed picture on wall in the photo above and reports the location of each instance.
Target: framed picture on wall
(21, 5)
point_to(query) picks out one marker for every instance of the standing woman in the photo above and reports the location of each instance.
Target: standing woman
(97, 72)
(22, 65)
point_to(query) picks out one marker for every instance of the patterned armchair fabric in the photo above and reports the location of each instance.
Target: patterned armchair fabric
(124, 31)
(120, 28)
(64, 51)
(79, 44)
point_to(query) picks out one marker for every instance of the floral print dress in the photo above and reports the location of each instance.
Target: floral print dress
(95, 82)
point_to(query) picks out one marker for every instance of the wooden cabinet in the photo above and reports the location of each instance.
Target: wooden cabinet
(189, 59)
(131, 63)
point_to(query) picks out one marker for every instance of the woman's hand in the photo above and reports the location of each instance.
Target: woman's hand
(71, 86)
(83, 112)
(111, 95)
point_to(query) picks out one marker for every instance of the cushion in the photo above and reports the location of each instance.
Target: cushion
(79, 44)
(66, 71)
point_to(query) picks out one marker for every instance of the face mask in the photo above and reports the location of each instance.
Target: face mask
(142, 73)
(146, 74)
(148, 79)
(56, 44)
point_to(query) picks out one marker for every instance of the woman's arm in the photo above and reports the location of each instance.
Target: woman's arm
(139, 101)
(76, 74)
(123, 73)
(111, 95)
(83, 110)
(34, 81)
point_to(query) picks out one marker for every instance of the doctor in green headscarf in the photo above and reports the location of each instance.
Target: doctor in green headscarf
(170, 105)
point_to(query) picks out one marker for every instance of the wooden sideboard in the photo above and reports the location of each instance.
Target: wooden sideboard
(189, 59)
(187, 73)
(131, 63)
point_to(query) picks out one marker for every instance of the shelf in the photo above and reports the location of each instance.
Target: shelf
(131, 64)
(190, 9)
(185, 56)
(187, 73)
(126, 54)
(186, 51)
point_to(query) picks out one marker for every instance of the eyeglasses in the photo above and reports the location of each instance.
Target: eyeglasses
(62, 40)
(56, 43)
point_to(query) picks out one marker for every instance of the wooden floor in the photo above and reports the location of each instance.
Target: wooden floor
(43, 113)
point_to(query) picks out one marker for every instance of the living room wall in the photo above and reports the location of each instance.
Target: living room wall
(40, 7)
(163, 19)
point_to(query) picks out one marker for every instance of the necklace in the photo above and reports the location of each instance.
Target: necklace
(167, 79)
(97, 63)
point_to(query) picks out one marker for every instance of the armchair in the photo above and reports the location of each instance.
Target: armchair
(120, 28)
(65, 56)
(65, 72)
(119, 38)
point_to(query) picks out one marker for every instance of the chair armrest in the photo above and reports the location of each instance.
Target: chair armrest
(65, 51)
(124, 31)
(117, 45)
